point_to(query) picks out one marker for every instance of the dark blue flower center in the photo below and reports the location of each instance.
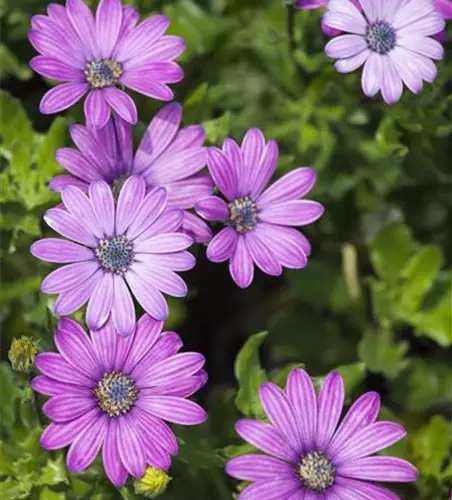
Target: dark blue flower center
(381, 37)
(242, 214)
(115, 254)
(116, 394)
(102, 73)
(317, 471)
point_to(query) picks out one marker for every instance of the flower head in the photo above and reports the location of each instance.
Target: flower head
(22, 353)
(153, 483)
(114, 394)
(114, 248)
(95, 55)
(309, 454)
(391, 39)
(167, 156)
(257, 219)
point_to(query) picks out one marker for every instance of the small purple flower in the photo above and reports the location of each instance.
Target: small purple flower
(444, 7)
(167, 156)
(392, 40)
(257, 221)
(96, 54)
(116, 246)
(312, 456)
(114, 394)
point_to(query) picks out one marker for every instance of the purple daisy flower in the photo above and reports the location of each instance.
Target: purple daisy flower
(167, 156)
(96, 54)
(132, 243)
(257, 221)
(312, 456)
(391, 39)
(114, 394)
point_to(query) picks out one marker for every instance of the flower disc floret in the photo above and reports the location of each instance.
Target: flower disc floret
(317, 471)
(116, 394)
(102, 73)
(243, 214)
(115, 254)
(381, 37)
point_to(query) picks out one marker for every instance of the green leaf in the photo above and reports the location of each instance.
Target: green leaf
(10, 394)
(217, 129)
(54, 472)
(381, 353)
(48, 494)
(250, 376)
(10, 65)
(11, 489)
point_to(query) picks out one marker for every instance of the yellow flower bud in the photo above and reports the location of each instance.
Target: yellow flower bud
(153, 483)
(22, 353)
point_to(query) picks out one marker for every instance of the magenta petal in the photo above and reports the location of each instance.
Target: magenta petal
(59, 435)
(241, 264)
(291, 186)
(265, 169)
(182, 388)
(174, 409)
(82, 21)
(97, 112)
(53, 68)
(105, 343)
(186, 192)
(141, 82)
(51, 387)
(280, 489)
(56, 367)
(196, 228)
(60, 182)
(234, 155)
(114, 469)
(253, 146)
(62, 97)
(67, 407)
(108, 24)
(212, 208)
(156, 455)
(330, 403)
(86, 445)
(157, 430)
(222, 246)
(390, 469)
(100, 303)
(351, 489)
(60, 251)
(130, 447)
(258, 468)
(123, 310)
(222, 172)
(266, 438)
(122, 103)
(261, 254)
(292, 213)
(167, 48)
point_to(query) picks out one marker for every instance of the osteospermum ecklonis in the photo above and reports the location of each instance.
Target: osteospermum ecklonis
(391, 38)
(168, 156)
(310, 454)
(257, 219)
(96, 55)
(22, 353)
(115, 249)
(114, 394)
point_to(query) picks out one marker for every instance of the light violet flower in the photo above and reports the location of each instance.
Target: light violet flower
(114, 394)
(309, 455)
(95, 55)
(167, 156)
(257, 219)
(113, 249)
(392, 41)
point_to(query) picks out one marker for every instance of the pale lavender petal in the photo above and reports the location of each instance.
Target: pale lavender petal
(56, 367)
(76, 163)
(129, 202)
(186, 192)
(86, 140)
(182, 388)
(53, 68)
(362, 413)
(66, 407)
(142, 82)
(122, 103)
(280, 489)
(61, 182)
(78, 204)
(60, 251)
(423, 45)
(291, 186)
(103, 204)
(164, 243)
(173, 409)
(303, 399)
(424, 66)
(389, 469)
(59, 435)
(351, 63)
(68, 226)
(150, 299)
(406, 68)
(167, 48)
(114, 469)
(292, 213)
(370, 8)
(261, 254)
(130, 18)
(100, 303)
(169, 221)
(345, 46)
(253, 146)
(68, 277)
(75, 347)
(223, 245)
(108, 24)
(177, 261)
(410, 12)
(373, 438)
(265, 169)
(160, 71)
(392, 86)
(72, 300)
(372, 74)
(222, 172)
(123, 310)
(189, 137)
(149, 210)
(258, 468)
(350, 489)
(241, 264)
(97, 112)
(234, 154)
(82, 20)
(212, 208)
(266, 438)
(130, 448)
(158, 430)
(160, 278)
(330, 404)
(345, 22)
(62, 97)
(196, 228)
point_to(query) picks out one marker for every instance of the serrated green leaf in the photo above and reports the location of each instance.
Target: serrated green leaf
(250, 376)
(218, 129)
(54, 472)
(48, 494)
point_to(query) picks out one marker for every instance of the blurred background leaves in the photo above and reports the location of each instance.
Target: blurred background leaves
(374, 301)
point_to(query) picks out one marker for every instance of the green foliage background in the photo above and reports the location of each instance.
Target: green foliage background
(374, 302)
